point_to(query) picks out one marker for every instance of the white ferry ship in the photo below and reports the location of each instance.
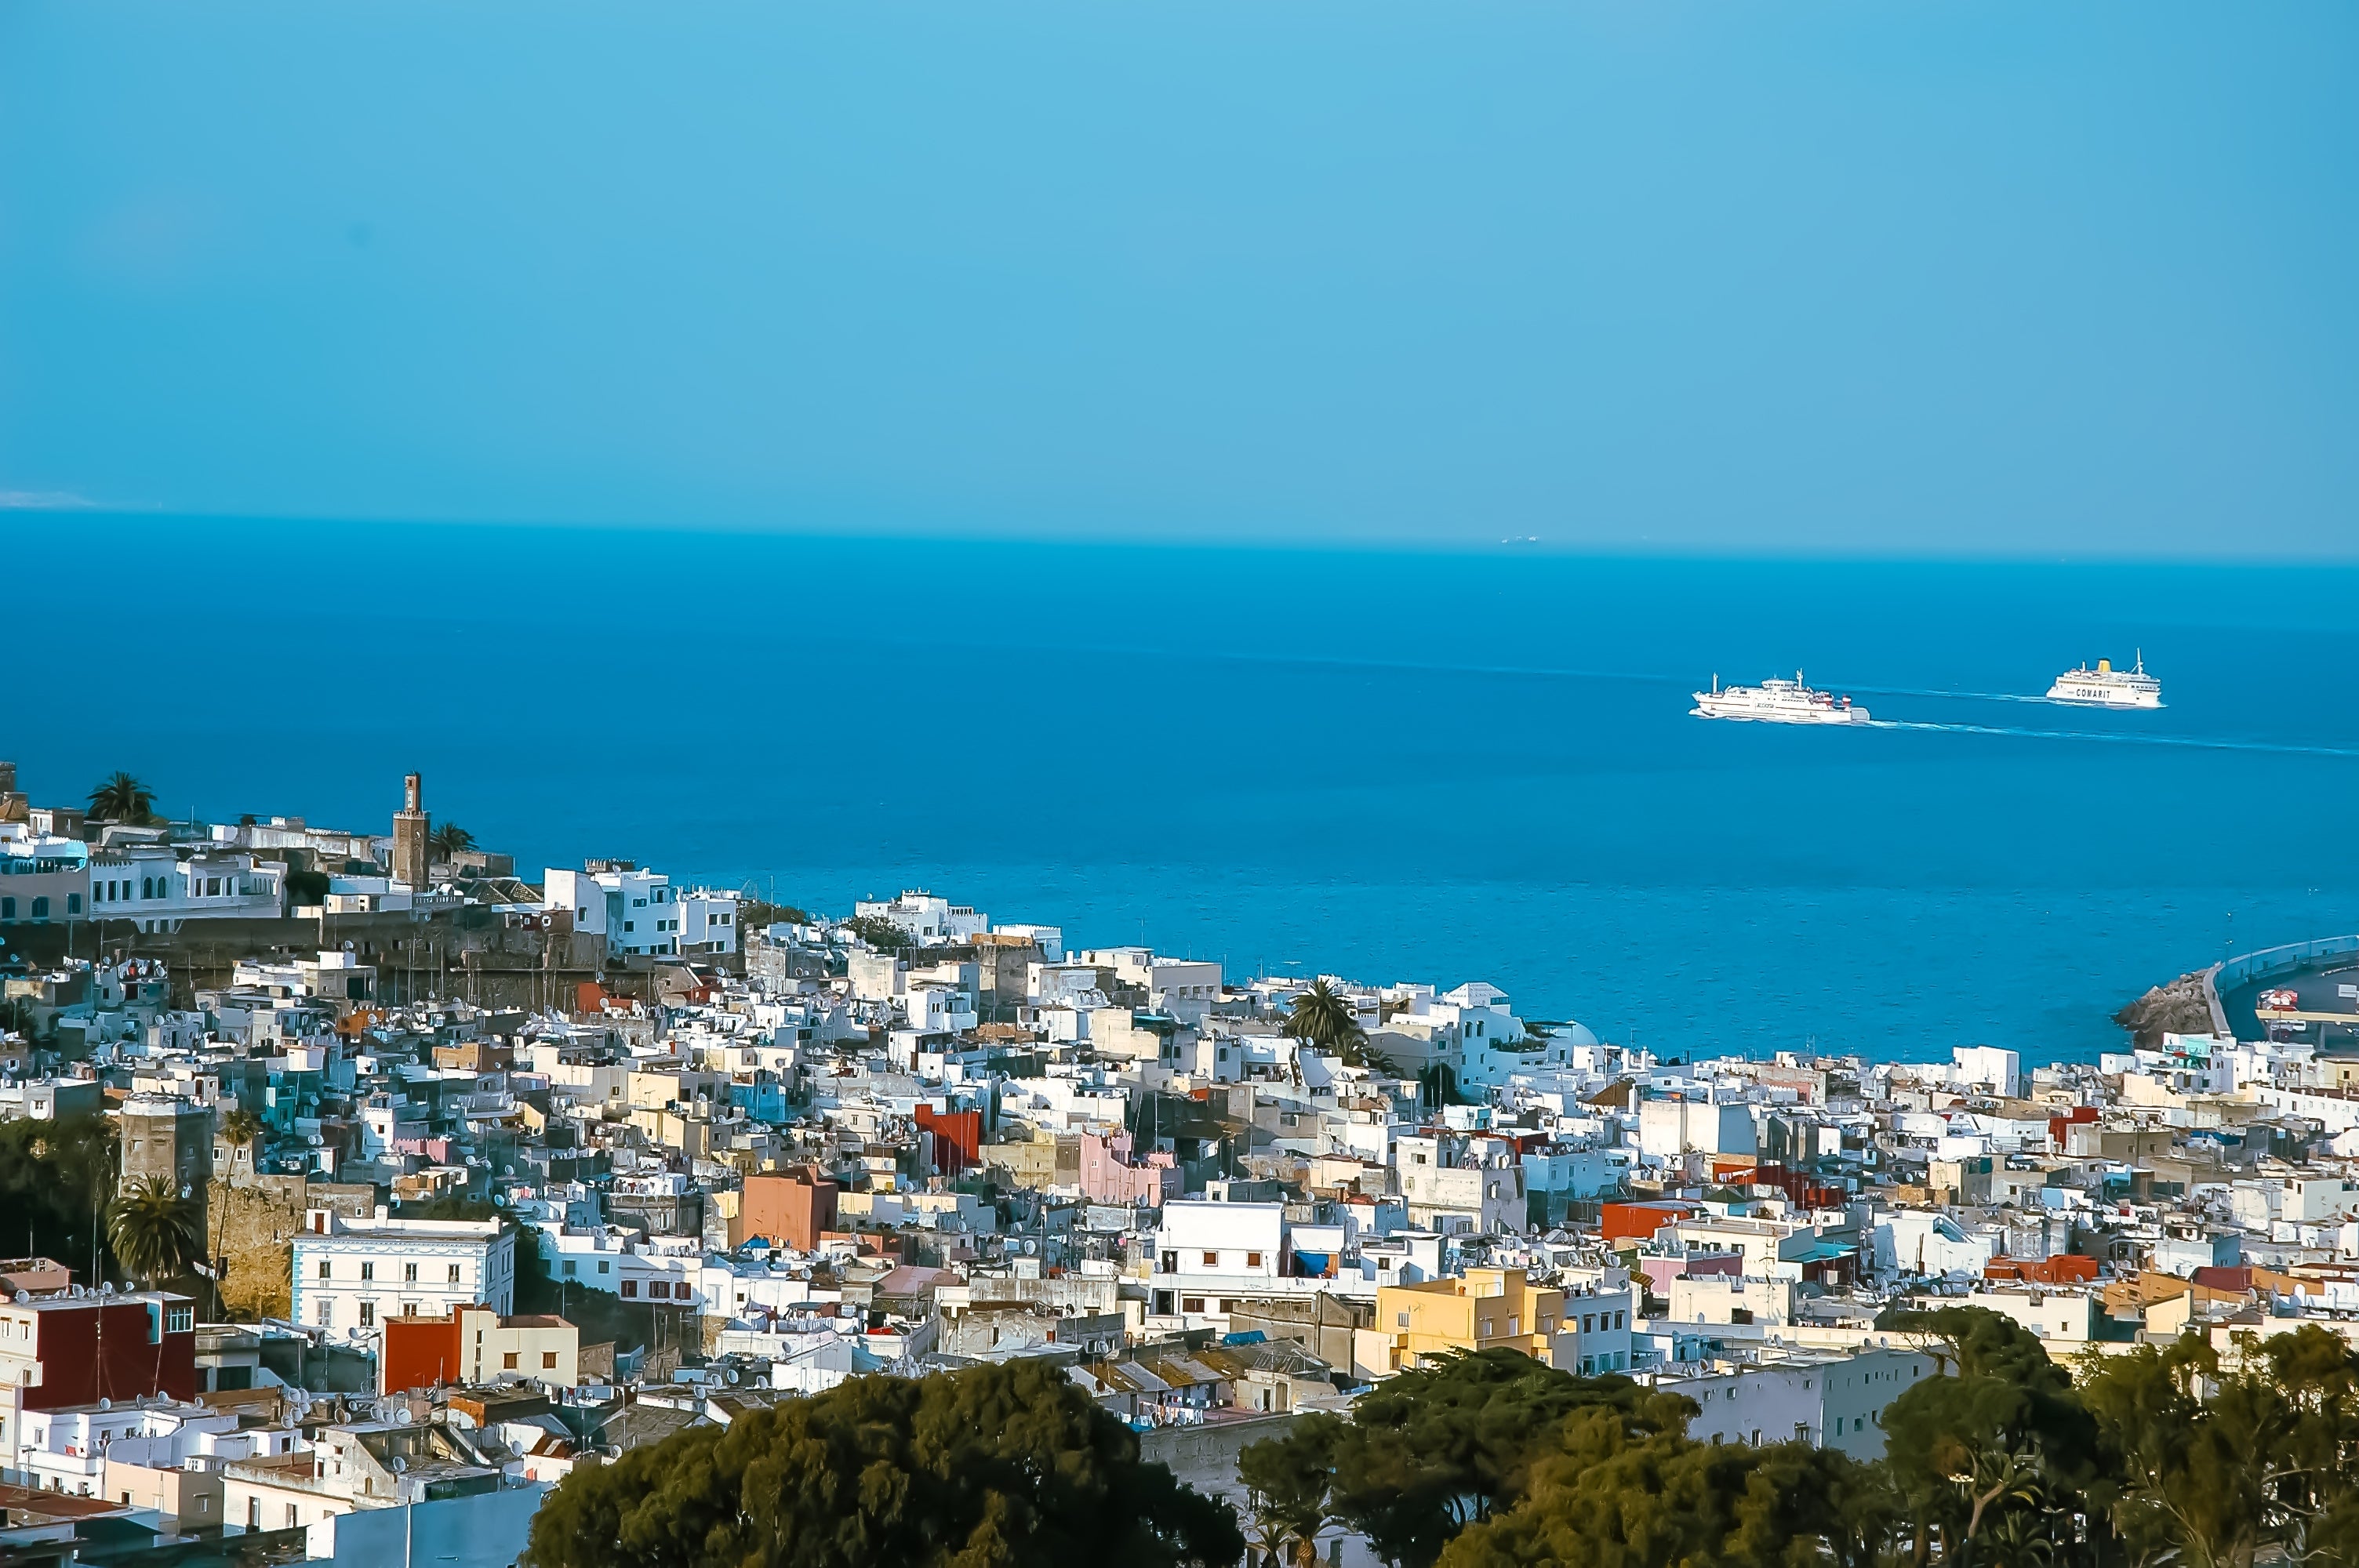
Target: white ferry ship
(2106, 687)
(1776, 701)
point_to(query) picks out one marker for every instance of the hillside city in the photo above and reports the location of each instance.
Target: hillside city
(429, 1181)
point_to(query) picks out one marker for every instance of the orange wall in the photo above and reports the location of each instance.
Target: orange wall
(791, 1210)
(419, 1353)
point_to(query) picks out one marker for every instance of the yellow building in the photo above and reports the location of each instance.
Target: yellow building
(1480, 1310)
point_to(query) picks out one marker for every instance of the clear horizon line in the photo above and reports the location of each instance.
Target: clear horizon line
(27, 504)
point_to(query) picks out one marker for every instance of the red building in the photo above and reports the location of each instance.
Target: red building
(1638, 1220)
(2060, 1128)
(476, 1344)
(63, 1350)
(958, 1137)
(2063, 1269)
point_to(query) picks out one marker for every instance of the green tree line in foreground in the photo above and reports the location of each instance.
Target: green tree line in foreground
(2164, 1455)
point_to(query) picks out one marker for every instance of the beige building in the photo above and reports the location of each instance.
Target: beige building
(477, 1346)
(1484, 1309)
(189, 1499)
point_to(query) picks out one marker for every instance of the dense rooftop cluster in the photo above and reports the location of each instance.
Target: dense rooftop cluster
(480, 1180)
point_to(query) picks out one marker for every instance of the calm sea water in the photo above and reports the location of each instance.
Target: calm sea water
(1392, 765)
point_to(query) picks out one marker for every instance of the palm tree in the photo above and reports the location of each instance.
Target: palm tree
(1324, 1019)
(240, 1128)
(121, 798)
(450, 841)
(153, 1229)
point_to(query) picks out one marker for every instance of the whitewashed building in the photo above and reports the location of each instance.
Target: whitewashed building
(640, 913)
(352, 1274)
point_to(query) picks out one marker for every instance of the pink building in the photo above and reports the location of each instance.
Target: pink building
(1660, 1271)
(1109, 1174)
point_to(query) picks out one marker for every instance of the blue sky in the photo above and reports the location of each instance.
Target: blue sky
(2013, 278)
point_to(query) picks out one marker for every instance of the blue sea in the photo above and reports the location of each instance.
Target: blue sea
(1393, 765)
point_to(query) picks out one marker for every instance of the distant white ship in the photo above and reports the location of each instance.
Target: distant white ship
(1776, 701)
(2106, 687)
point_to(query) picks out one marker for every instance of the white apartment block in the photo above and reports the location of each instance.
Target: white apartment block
(1825, 1399)
(153, 885)
(352, 1274)
(1184, 988)
(708, 921)
(640, 913)
(1209, 1253)
(1671, 1127)
(624, 1263)
(925, 917)
(1450, 1181)
(933, 1007)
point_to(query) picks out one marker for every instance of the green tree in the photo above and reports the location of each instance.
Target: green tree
(153, 1229)
(1324, 1019)
(2005, 1436)
(881, 933)
(1288, 1482)
(449, 841)
(754, 915)
(2218, 1461)
(121, 798)
(1006, 1465)
(1448, 1443)
(1619, 1492)
(56, 1178)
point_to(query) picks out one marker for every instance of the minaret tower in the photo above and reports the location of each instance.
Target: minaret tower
(409, 830)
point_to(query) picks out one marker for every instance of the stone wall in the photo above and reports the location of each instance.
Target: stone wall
(252, 1224)
(470, 954)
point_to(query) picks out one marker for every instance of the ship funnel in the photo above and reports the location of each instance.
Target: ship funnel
(2104, 666)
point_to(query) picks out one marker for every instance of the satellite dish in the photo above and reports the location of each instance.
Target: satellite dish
(733, 1376)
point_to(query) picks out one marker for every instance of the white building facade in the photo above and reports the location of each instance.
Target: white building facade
(350, 1275)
